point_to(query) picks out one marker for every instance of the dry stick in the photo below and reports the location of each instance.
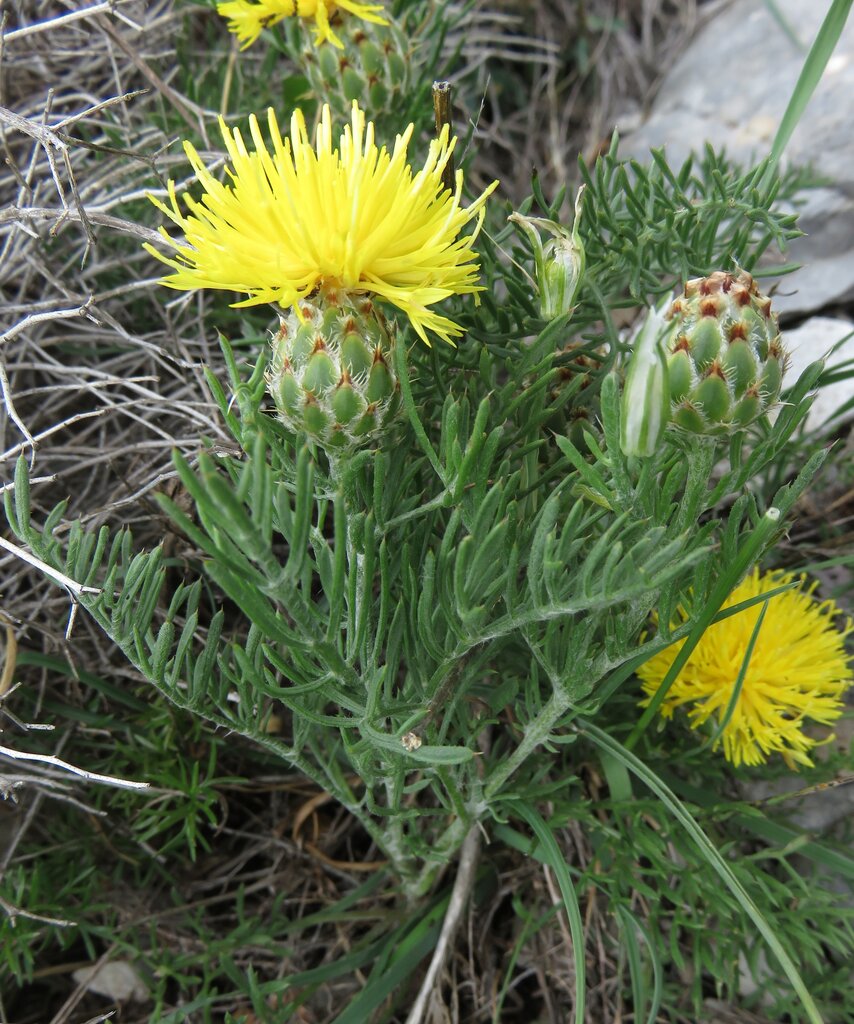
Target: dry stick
(74, 588)
(42, 213)
(60, 126)
(57, 136)
(10, 656)
(18, 723)
(43, 134)
(46, 139)
(459, 896)
(56, 762)
(186, 108)
(229, 77)
(12, 912)
(72, 182)
(16, 450)
(51, 143)
(49, 24)
(63, 1013)
(29, 816)
(557, 899)
(53, 314)
(443, 116)
(10, 484)
(6, 392)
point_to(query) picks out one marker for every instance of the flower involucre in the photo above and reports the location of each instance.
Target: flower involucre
(246, 18)
(353, 216)
(798, 670)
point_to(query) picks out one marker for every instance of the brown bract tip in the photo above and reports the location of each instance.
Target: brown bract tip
(741, 295)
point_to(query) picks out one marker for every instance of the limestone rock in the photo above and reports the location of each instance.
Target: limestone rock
(118, 981)
(731, 88)
(823, 336)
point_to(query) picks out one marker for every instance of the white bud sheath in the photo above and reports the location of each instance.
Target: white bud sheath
(645, 407)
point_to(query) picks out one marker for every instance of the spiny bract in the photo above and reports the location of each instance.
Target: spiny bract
(372, 66)
(331, 374)
(726, 359)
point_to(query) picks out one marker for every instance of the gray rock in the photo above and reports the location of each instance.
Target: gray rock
(823, 336)
(819, 810)
(731, 88)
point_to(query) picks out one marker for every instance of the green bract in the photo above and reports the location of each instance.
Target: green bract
(374, 67)
(726, 359)
(331, 373)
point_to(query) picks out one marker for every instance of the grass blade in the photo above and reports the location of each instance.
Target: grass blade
(711, 854)
(555, 860)
(813, 69)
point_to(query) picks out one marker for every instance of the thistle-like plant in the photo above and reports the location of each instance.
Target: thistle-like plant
(449, 612)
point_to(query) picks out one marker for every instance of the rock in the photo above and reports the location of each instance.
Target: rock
(815, 338)
(117, 981)
(731, 88)
(819, 810)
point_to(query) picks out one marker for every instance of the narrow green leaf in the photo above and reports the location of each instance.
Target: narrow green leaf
(813, 69)
(411, 411)
(556, 861)
(751, 549)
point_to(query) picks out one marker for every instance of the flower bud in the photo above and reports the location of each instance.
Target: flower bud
(645, 406)
(559, 264)
(331, 372)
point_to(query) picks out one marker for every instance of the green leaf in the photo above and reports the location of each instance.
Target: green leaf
(811, 74)
(556, 861)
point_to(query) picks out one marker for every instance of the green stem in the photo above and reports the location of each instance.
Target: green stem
(445, 849)
(537, 732)
(700, 462)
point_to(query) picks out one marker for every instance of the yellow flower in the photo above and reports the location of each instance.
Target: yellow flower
(246, 18)
(798, 670)
(353, 217)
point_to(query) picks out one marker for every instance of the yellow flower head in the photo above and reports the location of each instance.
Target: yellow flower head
(352, 217)
(246, 18)
(798, 670)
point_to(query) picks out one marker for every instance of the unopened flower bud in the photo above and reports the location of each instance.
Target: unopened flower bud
(645, 407)
(559, 264)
